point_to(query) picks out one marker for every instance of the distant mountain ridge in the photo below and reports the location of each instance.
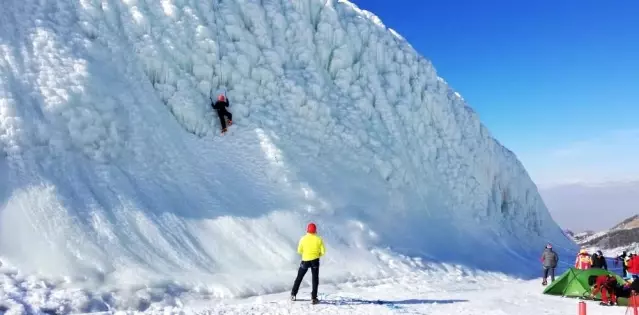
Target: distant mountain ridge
(630, 223)
(623, 236)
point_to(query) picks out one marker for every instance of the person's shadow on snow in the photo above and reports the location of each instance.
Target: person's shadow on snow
(349, 301)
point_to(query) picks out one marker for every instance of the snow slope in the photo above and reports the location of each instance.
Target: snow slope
(115, 178)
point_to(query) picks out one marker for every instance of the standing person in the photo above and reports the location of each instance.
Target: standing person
(622, 258)
(549, 261)
(220, 107)
(311, 247)
(599, 261)
(583, 260)
(633, 267)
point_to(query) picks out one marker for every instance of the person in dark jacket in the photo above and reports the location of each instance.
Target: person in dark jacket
(549, 261)
(599, 261)
(220, 106)
(622, 258)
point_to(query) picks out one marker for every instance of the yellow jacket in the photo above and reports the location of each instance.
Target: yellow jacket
(311, 247)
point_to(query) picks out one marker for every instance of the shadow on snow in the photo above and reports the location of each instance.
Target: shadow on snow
(355, 301)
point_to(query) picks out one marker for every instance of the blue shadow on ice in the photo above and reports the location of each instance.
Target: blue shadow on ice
(355, 301)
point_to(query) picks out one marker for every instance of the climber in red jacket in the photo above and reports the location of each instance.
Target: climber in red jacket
(606, 284)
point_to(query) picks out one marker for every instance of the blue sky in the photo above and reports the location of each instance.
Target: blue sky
(557, 82)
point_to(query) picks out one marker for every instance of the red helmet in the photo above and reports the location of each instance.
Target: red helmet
(311, 228)
(221, 98)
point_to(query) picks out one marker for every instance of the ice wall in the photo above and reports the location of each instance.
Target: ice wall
(114, 171)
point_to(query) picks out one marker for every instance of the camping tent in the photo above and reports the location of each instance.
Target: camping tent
(574, 283)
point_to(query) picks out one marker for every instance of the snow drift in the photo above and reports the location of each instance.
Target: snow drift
(115, 175)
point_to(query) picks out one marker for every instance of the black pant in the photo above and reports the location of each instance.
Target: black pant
(620, 291)
(550, 270)
(221, 113)
(301, 272)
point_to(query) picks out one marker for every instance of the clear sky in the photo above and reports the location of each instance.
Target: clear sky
(556, 81)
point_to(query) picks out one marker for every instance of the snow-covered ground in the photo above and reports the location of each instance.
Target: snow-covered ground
(418, 296)
(448, 290)
(117, 191)
(414, 293)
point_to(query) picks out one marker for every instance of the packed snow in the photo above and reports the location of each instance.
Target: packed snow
(442, 291)
(416, 293)
(119, 193)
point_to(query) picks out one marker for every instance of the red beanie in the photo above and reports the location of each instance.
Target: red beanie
(311, 228)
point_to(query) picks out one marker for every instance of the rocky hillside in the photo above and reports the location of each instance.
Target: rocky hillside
(624, 235)
(630, 223)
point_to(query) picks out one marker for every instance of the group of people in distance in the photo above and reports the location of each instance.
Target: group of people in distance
(606, 284)
(610, 288)
(629, 262)
(586, 261)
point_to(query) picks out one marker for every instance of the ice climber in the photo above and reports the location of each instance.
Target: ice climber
(583, 260)
(607, 285)
(311, 247)
(549, 260)
(599, 261)
(220, 106)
